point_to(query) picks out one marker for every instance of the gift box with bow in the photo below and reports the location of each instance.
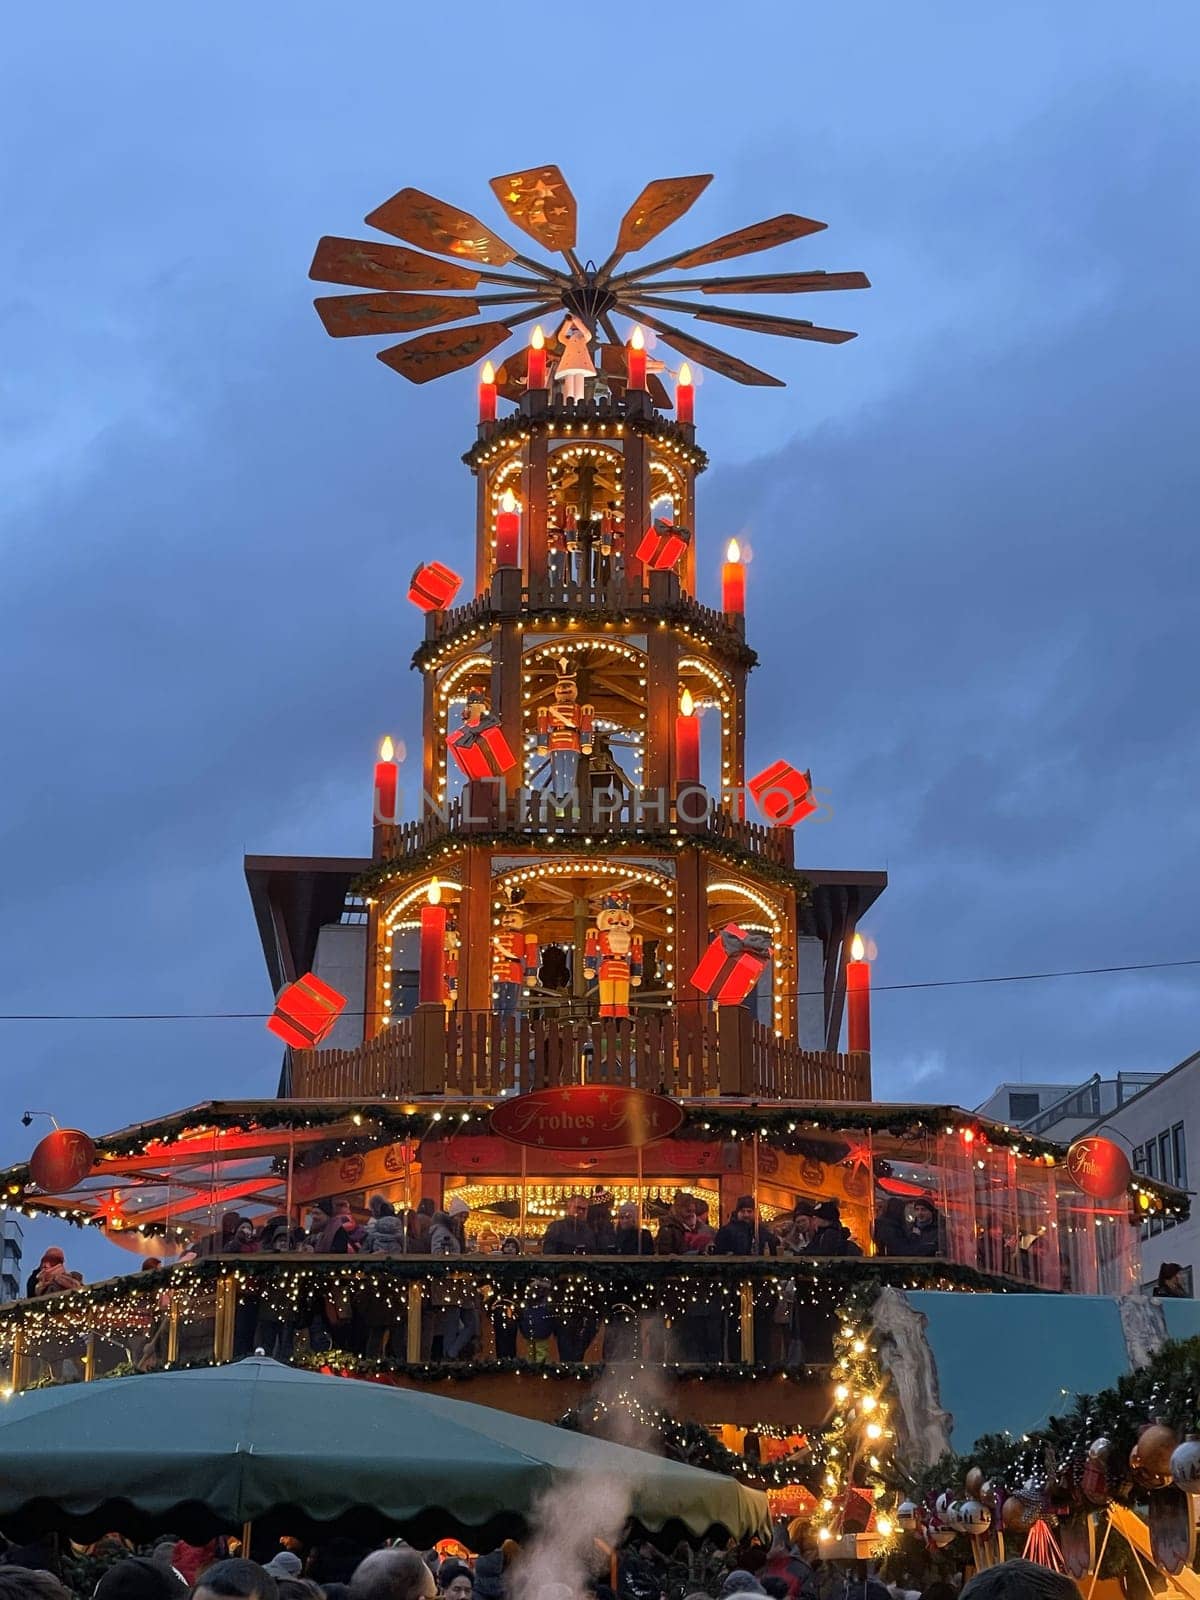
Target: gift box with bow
(662, 545)
(305, 1012)
(480, 749)
(433, 586)
(782, 794)
(732, 965)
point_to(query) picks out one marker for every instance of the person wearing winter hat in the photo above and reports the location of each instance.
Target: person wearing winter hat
(826, 1234)
(740, 1237)
(284, 1564)
(385, 1230)
(739, 1581)
(456, 1580)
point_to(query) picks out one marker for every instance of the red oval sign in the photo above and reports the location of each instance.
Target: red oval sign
(61, 1160)
(590, 1116)
(1099, 1167)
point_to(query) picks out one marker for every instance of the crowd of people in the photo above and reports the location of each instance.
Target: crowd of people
(789, 1568)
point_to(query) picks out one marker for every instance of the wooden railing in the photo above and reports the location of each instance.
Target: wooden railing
(492, 808)
(724, 1052)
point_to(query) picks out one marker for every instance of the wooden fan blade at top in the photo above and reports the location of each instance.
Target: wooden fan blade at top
(349, 315)
(706, 355)
(781, 283)
(752, 321)
(540, 202)
(363, 264)
(659, 205)
(744, 242)
(426, 221)
(432, 355)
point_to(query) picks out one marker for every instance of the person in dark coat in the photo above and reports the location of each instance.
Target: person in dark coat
(420, 1228)
(740, 1237)
(926, 1238)
(892, 1234)
(571, 1235)
(826, 1234)
(386, 1231)
(1169, 1284)
(631, 1239)
(675, 1225)
(221, 1242)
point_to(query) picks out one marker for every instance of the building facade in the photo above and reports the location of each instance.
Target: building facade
(11, 1240)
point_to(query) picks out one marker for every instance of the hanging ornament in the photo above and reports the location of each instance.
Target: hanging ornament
(732, 965)
(480, 749)
(1150, 1458)
(987, 1494)
(1185, 1465)
(662, 545)
(305, 1012)
(974, 1518)
(783, 794)
(1020, 1512)
(1094, 1482)
(973, 1483)
(433, 586)
(906, 1516)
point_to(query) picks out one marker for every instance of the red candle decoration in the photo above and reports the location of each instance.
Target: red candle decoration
(685, 396)
(431, 983)
(687, 742)
(858, 998)
(387, 782)
(635, 355)
(305, 1012)
(487, 393)
(536, 370)
(508, 531)
(733, 582)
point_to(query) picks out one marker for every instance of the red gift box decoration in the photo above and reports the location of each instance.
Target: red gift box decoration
(481, 750)
(662, 546)
(783, 795)
(433, 586)
(305, 1011)
(732, 965)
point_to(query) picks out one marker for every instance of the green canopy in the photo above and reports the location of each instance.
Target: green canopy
(194, 1452)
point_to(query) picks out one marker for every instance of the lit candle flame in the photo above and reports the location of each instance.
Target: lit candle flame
(733, 551)
(857, 948)
(685, 376)
(508, 501)
(488, 375)
(435, 892)
(637, 340)
(686, 704)
(387, 749)
(538, 338)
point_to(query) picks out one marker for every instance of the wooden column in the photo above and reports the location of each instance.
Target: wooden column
(432, 753)
(483, 530)
(18, 1358)
(429, 1048)
(378, 964)
(412, 1351)
(173, 1330)
(737, 719)
(475, 933)
(733, 1050)
(787, 970)
(691, 928)
(636, 479)
(662, 701)
(506, 666)
(535, 496)
(687, 517)
(746, 1319)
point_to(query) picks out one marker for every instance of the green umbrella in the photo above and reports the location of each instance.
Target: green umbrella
(195, 1452)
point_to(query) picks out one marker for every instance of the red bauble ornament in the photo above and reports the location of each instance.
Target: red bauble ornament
(305, 1012)
(61, 1160)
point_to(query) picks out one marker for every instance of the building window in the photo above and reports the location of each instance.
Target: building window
(1023, 1106)
(1165, 1158)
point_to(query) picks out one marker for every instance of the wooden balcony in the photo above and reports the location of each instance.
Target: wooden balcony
(725, 1052)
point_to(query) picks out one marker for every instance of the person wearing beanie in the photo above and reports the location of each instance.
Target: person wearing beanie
(284, 1564)
(52, 1275)
(631, 1239)
(741, 1237)
(385, 1233)
(825, 1232)
(739, 1581)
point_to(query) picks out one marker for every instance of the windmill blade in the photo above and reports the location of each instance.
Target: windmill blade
(426, 221)
(432, 355)
(780, 283)
(348, 315)
(745, 242)
(611, 360)
(752, 321)
(363, 264)
(539, 201)
(706, 355)
(659, 205)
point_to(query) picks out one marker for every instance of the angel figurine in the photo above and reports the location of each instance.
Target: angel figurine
(575, 365)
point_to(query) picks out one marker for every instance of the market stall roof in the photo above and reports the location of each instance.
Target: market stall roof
(298, 1451)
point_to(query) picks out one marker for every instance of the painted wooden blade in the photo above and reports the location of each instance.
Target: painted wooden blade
(659, 205)
(744, 242)
(540, 202)
(785, 327)
(432, 355)
(785, 283)
(426, 221)
(364, 264)
(347, 315)
(706, 355)
(512, 374)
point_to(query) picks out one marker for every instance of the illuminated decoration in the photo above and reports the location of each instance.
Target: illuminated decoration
(783, 794)
(480, 749)
(733, 581)
(535, 375)
(433, 586)
(685, 396)
(860, 1439)
(613, 954)
(508, 531)
(732, 965)
(565, 731)
(1099, 1167)
(305, 1012)
(487, 393)
(687, 741)
(514, 959)
(858, 999)
(432, 972)
(387, 783)
(61, 1160)
(590, 1117)
(662, 545)
(635, 357)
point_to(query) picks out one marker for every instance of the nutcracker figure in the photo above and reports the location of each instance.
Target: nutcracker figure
(556, 557)
(613, 954)
(572, 545)
(479, 703)
(451, 943)
(514, 962)
(564, 733)
(575, 365)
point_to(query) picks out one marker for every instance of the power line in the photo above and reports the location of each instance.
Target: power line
(800, 994)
